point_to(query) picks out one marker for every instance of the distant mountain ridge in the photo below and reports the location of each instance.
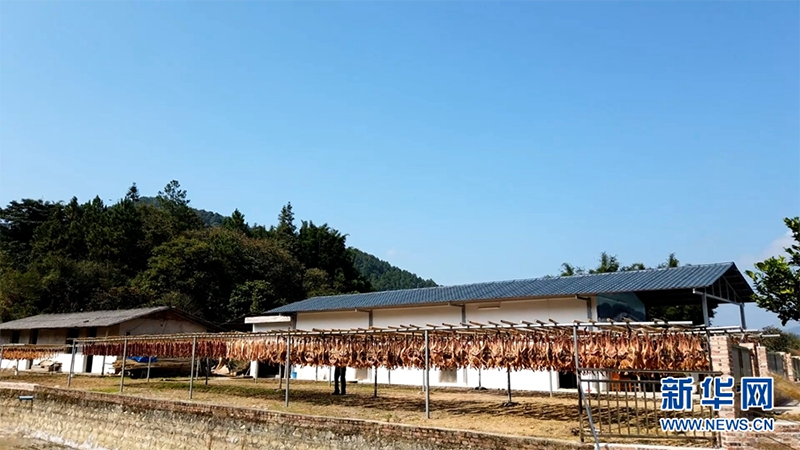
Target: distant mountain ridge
(382, 275)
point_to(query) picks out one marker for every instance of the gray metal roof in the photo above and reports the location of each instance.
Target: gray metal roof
(670, 279)
(80, 319)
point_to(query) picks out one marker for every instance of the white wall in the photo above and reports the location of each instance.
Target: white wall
(563, 310)
(264, 327)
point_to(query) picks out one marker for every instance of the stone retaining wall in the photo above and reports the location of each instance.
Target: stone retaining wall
(108, 421)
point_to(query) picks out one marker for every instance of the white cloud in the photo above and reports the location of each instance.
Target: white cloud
(775, 248)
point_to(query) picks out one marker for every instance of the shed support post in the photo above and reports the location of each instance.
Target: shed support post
(550, 373)
(705, 309)
(71, 364)
(124, 357)
(149, 360)
(427, 377)
(208, 368)
(191, 370)
(741, 316)
(103, 367)
(288, 366)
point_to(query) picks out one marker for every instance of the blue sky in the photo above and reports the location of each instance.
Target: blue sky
(465, 142)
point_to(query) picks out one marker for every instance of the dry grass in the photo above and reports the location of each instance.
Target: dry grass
(534, 414)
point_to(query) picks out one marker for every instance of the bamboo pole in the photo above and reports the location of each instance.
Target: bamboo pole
(124, 357)
(191, 370)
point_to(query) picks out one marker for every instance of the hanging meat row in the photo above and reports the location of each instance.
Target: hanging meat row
(31, 352)
(491, 350)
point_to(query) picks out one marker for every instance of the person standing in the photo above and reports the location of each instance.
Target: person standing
(339, 378)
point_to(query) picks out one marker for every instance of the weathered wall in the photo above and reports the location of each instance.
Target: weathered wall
(109, 421)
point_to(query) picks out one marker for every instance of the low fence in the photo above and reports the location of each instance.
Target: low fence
(628, 404)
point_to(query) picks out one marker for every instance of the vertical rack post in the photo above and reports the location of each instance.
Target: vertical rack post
(191, 370)
(207, 370)
(2, 347)
(149, 360)
(71, 365)
(509, 384)
(427, 377)
(103, 367)
(580, 388)
(288, 367)
(375, 387)
(124, 357)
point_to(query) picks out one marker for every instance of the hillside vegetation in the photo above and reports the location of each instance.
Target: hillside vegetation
(141, 251)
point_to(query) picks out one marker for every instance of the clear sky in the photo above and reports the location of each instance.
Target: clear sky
(465, 142)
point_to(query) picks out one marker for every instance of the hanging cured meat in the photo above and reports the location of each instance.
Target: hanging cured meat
(553, 349)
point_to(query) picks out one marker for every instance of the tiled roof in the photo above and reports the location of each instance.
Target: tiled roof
(80, 319)
(677, 278)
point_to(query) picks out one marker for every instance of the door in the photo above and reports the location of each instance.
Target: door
(88, 360)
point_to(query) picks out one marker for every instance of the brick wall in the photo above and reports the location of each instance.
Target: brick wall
(761, 361)
(787, 363)
(786, 436)
(98, 421)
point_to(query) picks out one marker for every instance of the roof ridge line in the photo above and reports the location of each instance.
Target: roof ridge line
(586, 275)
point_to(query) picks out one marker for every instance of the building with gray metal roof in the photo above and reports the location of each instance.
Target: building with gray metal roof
(61, 329)
(720, 282)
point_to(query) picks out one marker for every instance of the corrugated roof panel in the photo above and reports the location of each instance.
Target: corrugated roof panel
(80, 319)
(686, 277)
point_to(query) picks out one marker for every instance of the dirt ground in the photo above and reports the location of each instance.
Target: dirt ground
(533, 414)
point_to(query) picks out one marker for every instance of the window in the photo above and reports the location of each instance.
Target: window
(34, 337)
(15, 337)
(448, 376)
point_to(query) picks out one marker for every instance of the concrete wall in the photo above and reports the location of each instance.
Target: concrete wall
(99, 421)
(560, 310)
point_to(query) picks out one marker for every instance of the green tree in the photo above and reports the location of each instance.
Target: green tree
(18, 224)
(174, 201)
(785, 342)
(608, 264)
(777, 279)
(236, 222)
(568, 270)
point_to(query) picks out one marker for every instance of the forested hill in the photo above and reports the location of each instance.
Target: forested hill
(210, 218)
(384, 276)
(139, 251)
(381, 275)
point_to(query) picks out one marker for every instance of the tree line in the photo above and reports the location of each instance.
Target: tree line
(141, 251)
(607, 263)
